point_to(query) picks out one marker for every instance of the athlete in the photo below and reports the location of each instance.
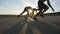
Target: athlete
(43, 7)
(29, 10)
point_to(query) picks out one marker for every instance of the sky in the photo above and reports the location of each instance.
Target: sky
(15, 7)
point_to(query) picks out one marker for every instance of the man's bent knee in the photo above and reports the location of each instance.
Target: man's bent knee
(45, 9)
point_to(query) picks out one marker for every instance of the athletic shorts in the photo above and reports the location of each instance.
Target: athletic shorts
(41, 5)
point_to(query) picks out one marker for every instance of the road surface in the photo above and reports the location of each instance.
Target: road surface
(13, 25)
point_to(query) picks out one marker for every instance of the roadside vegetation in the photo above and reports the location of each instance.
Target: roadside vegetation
(46, 14)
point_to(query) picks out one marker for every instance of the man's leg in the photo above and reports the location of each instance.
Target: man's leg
(40, 10)
(45, 8)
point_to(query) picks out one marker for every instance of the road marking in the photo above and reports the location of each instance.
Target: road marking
(24, 29)
(36, 31)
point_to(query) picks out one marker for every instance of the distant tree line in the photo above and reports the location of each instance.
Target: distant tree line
(52, 14)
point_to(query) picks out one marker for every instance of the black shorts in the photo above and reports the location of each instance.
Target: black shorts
(41, 5)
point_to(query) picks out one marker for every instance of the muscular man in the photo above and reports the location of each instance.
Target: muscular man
(29, 10)
(43, 7)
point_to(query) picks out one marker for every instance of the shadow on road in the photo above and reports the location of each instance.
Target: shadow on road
(45, 28)
(41, 26)
(16, 28)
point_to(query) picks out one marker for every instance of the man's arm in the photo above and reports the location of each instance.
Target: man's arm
(21, 13)
(48, 2)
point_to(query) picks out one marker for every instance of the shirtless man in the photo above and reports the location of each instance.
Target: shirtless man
(29, 10)
(43, 7)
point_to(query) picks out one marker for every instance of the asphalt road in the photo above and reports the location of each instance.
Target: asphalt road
(13, 25)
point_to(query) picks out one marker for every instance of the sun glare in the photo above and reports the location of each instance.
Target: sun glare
(30, 11)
